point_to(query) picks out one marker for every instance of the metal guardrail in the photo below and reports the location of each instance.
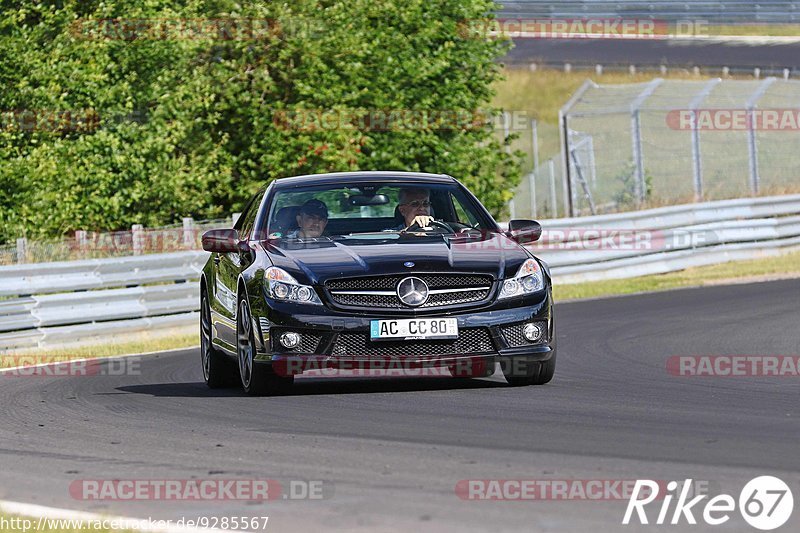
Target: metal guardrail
(54, 303)
(735, 11)
(42, 278)
(668, 239)
(59, 302)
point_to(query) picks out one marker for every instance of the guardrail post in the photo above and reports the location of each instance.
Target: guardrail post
(234, 218)
(188, 233)
(137, 238)
(22, 250)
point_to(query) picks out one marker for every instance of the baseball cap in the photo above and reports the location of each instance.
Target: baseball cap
(314, 207)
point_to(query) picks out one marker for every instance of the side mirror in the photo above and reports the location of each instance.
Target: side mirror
(221, 240)
(524, 231)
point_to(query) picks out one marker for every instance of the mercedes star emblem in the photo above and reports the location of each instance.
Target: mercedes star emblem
(412, 291)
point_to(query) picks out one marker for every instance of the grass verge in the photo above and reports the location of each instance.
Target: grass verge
(783, 266)
(755, 30)
(104, 349)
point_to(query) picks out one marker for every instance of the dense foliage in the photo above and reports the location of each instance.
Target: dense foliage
(114, 112)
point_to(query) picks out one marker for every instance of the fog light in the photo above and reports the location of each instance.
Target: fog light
(533, 332)
(289, 339)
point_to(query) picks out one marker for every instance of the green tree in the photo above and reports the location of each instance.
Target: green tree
(193, 126)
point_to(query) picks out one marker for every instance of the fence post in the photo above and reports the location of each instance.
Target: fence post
(553, 197)
(696, 157)
(22, 250)
(80, 240)
(532, 185)
(535, 140)
(234, 218)
(639, 186)
(506, 130)
(137, 237)
(188, 233)
(563, 131)
(752, 147)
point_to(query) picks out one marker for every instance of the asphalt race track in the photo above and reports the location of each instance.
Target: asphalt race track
(672, 53)
(390, 453)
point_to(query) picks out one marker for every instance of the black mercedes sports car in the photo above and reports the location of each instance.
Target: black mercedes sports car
(373, 270)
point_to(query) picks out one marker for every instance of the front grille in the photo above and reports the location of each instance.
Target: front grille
(388, 283)
(470, 341)
(481, 288)
(453, 298)
(514, 337)
(368, 300)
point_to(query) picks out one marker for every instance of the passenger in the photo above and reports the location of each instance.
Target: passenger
(312, 217)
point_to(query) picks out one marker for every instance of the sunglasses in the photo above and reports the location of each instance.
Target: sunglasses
(416, 204)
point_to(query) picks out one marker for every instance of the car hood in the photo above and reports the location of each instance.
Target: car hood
(316, 261)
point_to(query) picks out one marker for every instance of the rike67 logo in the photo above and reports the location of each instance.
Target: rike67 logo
(766, 503)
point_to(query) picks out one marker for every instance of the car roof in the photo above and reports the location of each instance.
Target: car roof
(363, 176)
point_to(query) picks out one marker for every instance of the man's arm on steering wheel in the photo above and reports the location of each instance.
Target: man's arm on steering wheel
(423, 221)
(427, 223)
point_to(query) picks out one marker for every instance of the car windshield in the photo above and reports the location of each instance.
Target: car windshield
(367, 209)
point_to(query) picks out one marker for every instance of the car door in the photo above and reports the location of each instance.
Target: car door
(228, 267)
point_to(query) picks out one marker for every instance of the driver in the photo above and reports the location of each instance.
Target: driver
(312, 217)
(415, 206)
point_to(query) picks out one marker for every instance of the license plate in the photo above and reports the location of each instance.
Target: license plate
(414, 328)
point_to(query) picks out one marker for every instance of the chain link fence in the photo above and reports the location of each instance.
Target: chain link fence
(720, 11)
(91, 245)
(668, 142)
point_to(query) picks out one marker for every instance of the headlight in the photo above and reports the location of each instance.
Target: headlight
(529, 279)
(282, 286)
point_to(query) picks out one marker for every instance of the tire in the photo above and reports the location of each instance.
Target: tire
(256, 380)
(532, 373)
(218, 370)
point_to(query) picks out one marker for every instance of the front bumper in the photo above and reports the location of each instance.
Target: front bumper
(334, 339)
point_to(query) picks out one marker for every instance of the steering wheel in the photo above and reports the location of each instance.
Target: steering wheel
(435, 223)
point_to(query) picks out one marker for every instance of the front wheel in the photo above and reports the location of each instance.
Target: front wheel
(218, 372)
(257, 380)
